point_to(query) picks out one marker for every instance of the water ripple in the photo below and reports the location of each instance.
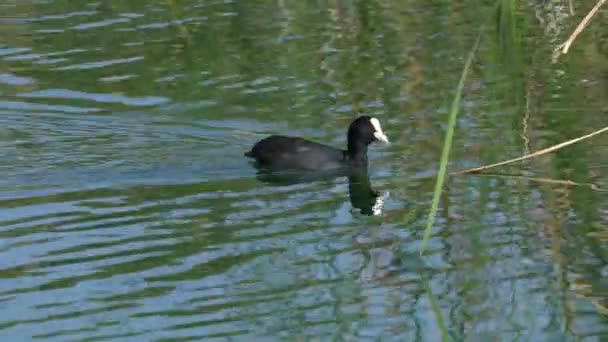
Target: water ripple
(14, 80)
(102, 23)
(101, 64)
(106, 98)
(64, 16)
(17, 105)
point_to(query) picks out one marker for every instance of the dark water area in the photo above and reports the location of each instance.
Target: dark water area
(128, 212)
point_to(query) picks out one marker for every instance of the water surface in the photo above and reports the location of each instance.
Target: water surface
(128, 213)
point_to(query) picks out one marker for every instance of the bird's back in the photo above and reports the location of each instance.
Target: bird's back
(285, 152)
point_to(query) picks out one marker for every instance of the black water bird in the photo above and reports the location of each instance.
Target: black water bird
(284, 160)
(295, 153)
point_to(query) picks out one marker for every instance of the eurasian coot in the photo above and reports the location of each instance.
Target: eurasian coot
(283, 152)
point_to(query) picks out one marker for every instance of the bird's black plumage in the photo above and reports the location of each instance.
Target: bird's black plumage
(284, 152)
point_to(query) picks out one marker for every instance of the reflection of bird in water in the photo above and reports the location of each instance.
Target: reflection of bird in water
(362, 196)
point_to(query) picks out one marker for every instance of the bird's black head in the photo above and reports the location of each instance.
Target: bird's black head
(363, 131)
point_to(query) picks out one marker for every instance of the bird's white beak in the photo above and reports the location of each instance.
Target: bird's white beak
(378, 134)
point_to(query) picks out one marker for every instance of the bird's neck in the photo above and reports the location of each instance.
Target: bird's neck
(357, 153)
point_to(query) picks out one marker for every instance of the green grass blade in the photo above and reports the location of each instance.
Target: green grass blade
(447, 145)
(445, 337)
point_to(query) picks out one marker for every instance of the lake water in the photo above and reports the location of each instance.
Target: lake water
(128, 212)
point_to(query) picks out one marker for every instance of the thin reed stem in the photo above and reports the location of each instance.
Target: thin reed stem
(447, 146)
(531, 155)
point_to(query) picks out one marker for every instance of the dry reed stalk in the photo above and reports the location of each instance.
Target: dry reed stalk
(581, 26)
(531, 155)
